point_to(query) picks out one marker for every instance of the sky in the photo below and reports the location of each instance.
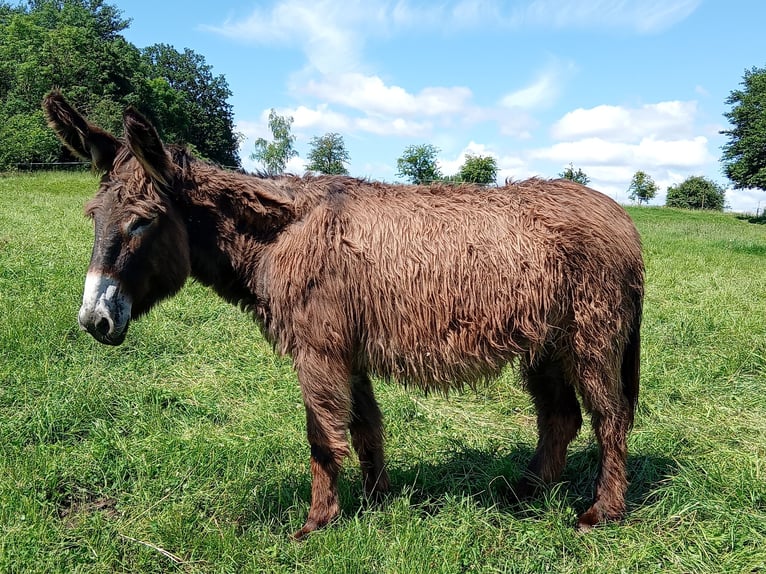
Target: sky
(610, 86)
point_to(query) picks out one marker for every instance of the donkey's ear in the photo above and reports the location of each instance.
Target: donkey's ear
(83, 138)
(144, 142)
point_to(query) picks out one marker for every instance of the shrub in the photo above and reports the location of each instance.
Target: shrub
(696, 192)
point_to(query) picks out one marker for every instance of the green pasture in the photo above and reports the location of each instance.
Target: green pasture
(184, 449)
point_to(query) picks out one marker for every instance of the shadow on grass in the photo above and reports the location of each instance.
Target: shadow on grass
(757, 219)
(488, 477)
(484, 476)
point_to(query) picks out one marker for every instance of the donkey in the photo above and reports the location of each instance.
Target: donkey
(436, 286)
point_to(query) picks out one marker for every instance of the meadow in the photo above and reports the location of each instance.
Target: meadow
(184, 449)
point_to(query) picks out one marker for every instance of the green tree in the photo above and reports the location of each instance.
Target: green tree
(198, 113)
(642, 187)
(274, 155)
(478, 169)
(744, 155)
(418, 164)
(328, 155)
(696, 192)
(26, 138)
(77, 46)
(576, 175)
(72, 44)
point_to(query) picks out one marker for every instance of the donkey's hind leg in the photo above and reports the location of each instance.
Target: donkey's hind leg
(367, 434)
(611, 420)
(558, 422)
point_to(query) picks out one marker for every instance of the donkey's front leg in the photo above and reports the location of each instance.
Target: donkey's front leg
(325, 384)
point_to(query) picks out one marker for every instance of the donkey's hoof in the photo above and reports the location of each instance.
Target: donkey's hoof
(595, 516)
(303, 533)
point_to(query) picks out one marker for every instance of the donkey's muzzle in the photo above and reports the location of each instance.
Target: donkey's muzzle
(105, 311)
(101, 326)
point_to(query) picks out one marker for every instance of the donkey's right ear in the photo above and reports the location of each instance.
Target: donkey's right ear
(83, 138)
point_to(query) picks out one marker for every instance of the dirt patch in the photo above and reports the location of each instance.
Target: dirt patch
(75, 511)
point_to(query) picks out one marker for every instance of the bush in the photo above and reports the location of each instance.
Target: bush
(696, 192)
(27, 139)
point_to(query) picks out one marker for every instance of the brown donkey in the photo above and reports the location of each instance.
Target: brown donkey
(436, 286)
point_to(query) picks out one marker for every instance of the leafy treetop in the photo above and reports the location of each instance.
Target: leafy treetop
(642, 187)
(576, 175)
(418, 164)
(744, 155)
(328, 155)
(76, 46)
(478, 169)
(696, 192)
(275, 154)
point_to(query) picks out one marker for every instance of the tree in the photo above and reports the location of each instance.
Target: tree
(72, 44)
(576, 175)
(77, 46)
(696, 192)
(744, 155)
(275, 155)
(478, 169)
(642, 187)
(195, 109)
(418, 164)
(26, 138)
(328, 155)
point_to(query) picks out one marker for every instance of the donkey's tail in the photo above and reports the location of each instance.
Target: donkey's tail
(630, 371)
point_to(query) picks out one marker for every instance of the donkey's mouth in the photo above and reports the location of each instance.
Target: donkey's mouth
(102, 333)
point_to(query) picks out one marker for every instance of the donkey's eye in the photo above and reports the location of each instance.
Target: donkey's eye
(140, 225)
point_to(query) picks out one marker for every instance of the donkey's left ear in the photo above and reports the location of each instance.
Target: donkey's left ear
(144, 142)
(82, 137)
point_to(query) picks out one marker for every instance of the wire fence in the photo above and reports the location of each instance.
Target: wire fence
(57, 166)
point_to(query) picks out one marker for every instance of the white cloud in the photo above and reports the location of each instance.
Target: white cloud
(746, 200)
(321, 117)
(642, 16)
(649, 152)
(543, 91)
(617, 123)
(540, 93)
(610, 143)
(393, 126)
(372, 96)
(326, 31)
(332, 34)
(252, 130)
(296, 165)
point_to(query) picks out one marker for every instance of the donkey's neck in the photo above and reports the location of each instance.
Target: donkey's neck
(232, 220)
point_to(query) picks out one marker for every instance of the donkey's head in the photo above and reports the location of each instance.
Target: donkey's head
(141, 250)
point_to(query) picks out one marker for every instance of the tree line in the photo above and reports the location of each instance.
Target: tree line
(328, 155)
(695, 192)
(77, 46)
(418, 165)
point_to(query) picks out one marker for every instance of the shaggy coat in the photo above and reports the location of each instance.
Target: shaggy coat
(436, 286)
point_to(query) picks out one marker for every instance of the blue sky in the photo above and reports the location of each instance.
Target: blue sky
(612, 86)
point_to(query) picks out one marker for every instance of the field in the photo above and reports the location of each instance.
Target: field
(184, 449)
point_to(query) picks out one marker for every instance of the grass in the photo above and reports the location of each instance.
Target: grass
(184, 449)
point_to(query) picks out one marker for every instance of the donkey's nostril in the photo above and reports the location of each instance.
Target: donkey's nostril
(103, 326)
